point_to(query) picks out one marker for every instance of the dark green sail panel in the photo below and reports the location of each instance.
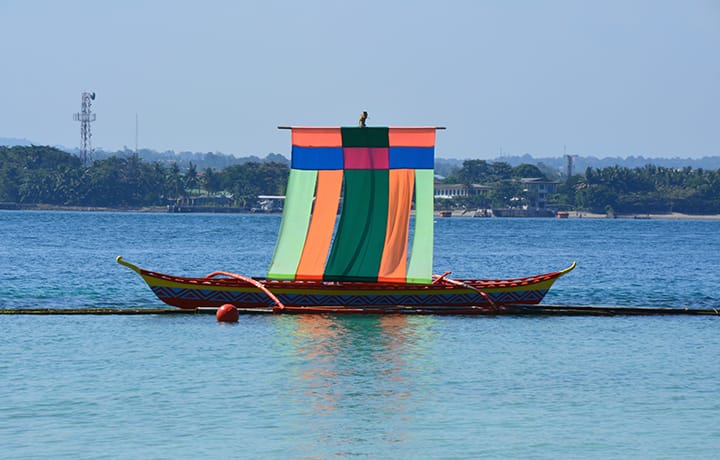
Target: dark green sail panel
(360, 238)
(365, 137)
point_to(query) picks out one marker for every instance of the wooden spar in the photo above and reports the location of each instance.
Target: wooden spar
(92, 311)
(436, 127)
(513, 310)
(124, 311)
(444, 279)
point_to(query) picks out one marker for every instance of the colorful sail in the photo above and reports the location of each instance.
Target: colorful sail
(375, 172)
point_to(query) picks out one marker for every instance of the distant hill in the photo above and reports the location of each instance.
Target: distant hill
(201, 161)
(13, 141)
(581, 163)
(443, 166)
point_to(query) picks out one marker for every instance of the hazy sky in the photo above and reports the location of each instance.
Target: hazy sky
(604, 78)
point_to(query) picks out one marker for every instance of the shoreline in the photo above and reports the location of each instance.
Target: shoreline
(641, 216)
(210, 210)
(52, 207)
(589, 215)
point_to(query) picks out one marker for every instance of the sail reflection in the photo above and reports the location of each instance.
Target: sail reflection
(355, 379)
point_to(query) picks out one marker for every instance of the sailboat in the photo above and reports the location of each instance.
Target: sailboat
(366, 261)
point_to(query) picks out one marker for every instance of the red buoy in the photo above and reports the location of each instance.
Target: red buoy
(227, 314)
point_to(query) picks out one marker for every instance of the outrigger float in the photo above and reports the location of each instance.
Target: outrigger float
(367, 261)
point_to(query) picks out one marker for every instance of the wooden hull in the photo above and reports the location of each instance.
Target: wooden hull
(443, 296)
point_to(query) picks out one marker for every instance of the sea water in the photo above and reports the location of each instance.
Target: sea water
(317, 386)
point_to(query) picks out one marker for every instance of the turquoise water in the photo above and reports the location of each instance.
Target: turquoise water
(160, 386)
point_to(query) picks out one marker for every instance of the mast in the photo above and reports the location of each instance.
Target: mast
(136, 134)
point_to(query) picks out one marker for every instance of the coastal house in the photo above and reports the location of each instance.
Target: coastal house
(538, 189)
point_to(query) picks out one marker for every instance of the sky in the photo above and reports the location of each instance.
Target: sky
(506, 77)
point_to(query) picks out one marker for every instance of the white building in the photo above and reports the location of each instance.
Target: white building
(449, 191)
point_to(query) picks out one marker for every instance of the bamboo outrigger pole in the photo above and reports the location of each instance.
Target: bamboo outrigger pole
(507, 310)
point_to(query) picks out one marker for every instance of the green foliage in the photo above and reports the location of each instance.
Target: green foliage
(527, 170)
(503, 193)
(211, 181)
(650, 189)
(125, 182)
(482, 172)
(37, 174)
(248, 180)
(45, 175)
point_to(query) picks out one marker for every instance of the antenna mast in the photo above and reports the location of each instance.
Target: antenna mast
(136, 134)
(85, 117)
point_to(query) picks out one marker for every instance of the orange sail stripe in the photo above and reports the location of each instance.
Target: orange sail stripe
(411, 137)
(317, 244)
(394, 259)
(317, 137)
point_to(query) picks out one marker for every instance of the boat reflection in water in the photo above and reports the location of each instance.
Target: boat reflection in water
(350, 372)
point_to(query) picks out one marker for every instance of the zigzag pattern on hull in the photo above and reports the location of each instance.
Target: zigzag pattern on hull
(211, 295)
(259, 298)
(512, 297)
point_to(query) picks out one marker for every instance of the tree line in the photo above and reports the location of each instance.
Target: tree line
(615, 190)
(46, 175)
(649, 189)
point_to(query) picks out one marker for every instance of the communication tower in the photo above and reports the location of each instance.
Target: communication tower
(85, 117)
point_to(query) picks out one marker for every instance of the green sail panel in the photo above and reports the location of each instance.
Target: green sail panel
(294, 224)
(360, 238)
(376, 137)
(421, 255)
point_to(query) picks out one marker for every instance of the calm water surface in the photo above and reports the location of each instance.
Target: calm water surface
(371, 387)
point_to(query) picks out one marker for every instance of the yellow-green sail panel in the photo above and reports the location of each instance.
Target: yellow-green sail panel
(294, 224)
(421, 255)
